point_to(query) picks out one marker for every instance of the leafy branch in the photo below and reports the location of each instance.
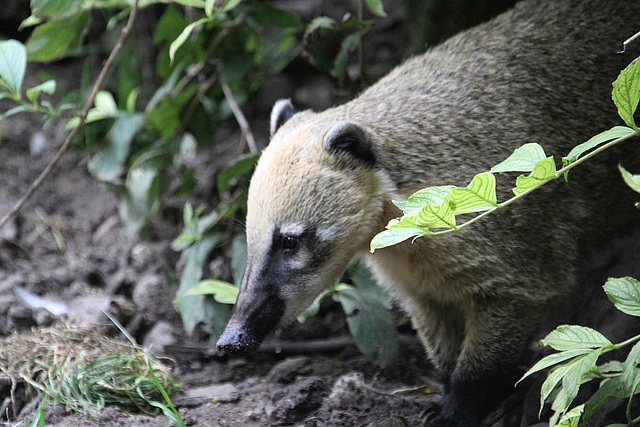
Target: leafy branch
(433, 211)
(12, 78)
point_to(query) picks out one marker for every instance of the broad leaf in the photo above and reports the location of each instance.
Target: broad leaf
(523, 159)
(419, 199)
(13, 64)
(436, 217)
(370, 325)
(478, 196)
(543, 172)
(611, 388)
(595, 141)
(222, 292)
(626, 93)
(55, 39)
(48, 87)
(55, 9)
(375, 7)
(573, 337)
(397, 231)
(107, 164)
(624, 293)
(105, 104)
(629, 371)
(632, 181)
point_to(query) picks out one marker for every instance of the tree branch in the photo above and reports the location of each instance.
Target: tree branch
(83, 116)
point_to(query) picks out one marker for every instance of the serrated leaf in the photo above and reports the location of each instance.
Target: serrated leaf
(572, 379)
(573, 337)
(523, 159)
(440, 216)
(626, 93)
(624, 293)
(595, 141)
(554, 359)
(550, 383)
(478, 196)
(370, 325)
(571, 418)
(419, 199)
(632, 180)
(375, 7)
(543, 172)
(13, 64)
(223, 292)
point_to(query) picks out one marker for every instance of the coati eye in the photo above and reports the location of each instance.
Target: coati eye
(289, 243)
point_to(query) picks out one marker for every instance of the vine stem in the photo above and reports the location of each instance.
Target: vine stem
(558, 174)
(83, 116)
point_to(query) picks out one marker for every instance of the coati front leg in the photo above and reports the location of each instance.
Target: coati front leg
(497, 333)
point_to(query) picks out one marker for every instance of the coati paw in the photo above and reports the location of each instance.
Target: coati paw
(433, 416)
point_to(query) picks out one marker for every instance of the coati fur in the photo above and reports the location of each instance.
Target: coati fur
(541, 72)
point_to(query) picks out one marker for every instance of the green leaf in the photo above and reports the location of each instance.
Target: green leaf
(241, 167)
(523, 159)
(611, 388)
(107, 164)
(105, 104)
(15, 110)
(55, 9)
(554, 359)
(595, 141)
(626, 93)
(543, 172)
(571, 418)
(419, 199)
(13, 64)
(478, 196)
(397, 231)
(48, 87)
(321, 22)
(629, 371)
(223, 292)
(185, 34)
(138, 201)
(624, 293)
(230, 4)
(370, 325)
(375, 7)
(348, 44)
(632, 181)
(550, 383)
(55, 39)
(436, 217)
(572, 337)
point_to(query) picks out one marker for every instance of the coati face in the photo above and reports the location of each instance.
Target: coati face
(315, 201)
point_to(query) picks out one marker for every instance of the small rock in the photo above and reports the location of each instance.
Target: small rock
(298, 401)
(347, 390)
(286, 371)
(89, 308)
(152, 297)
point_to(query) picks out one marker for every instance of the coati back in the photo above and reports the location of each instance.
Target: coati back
(323, 188)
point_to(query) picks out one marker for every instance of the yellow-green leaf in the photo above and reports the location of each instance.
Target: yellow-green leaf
(478, 196)
(543, 172)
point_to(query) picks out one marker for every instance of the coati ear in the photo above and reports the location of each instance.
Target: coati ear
(349, 137)
(281, 112)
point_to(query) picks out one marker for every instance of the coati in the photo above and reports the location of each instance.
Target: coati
(323, 188)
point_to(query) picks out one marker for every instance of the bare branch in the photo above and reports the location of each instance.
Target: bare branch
(240, 118)
(83, 115)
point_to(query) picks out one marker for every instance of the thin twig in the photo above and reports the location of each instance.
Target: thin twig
(83, 116)
(202, 90)
(240, 118)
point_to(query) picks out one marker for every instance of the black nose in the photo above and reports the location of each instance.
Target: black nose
(237, 342)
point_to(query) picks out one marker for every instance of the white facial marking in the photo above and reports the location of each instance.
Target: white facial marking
(291, 229)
